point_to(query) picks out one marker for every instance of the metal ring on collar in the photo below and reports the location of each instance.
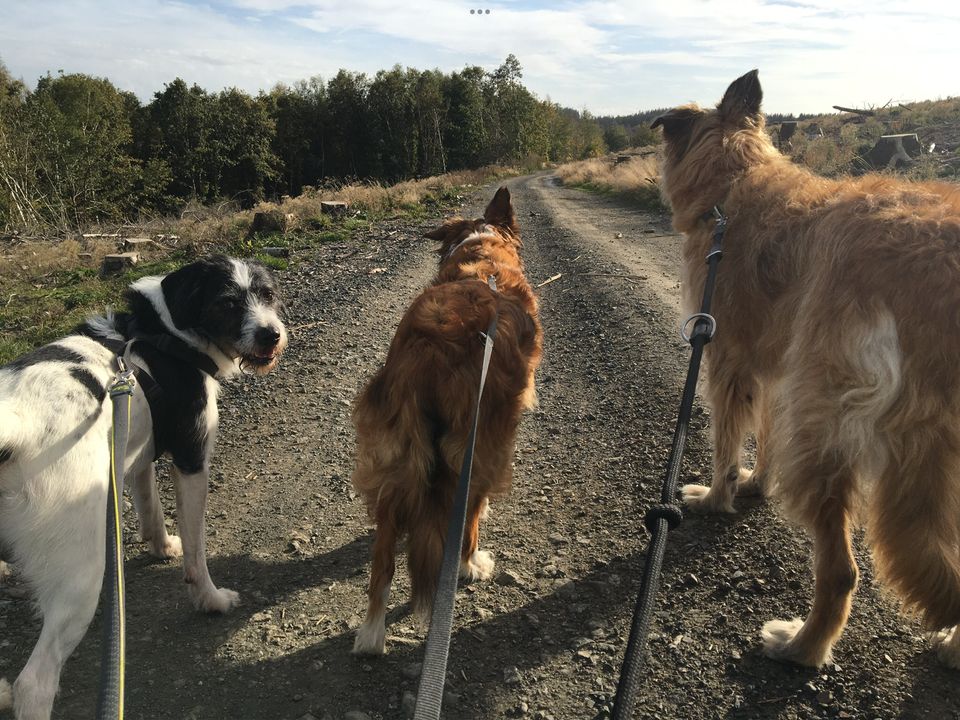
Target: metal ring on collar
(699, 316)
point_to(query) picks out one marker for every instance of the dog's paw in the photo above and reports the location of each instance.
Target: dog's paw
(478, 567)
(779, 643)
(948, 648)
(169, 550)
(371, 639)
(699, 499)
(216, 600)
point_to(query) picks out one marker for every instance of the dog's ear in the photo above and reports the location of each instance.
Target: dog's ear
(183, 292)
(676, 122)
(742, 98)
(500, 211)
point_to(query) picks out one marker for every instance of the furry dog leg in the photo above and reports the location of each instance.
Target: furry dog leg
(810, 642)
(66, 581)
(152, 528)
(191, 506)
(371, 636)
(475, 564)
(756, 482)
(732, 402)
(913, 529)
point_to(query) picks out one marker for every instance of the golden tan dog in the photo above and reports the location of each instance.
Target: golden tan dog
(414, 416)
(838, 305)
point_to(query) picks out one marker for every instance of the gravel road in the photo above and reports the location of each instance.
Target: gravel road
(544, 639)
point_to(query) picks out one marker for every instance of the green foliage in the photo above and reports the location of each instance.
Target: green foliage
(76, 150)
(39, 312)
(65, 153)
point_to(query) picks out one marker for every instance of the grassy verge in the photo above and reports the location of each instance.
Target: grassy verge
(47, 287)
(635, 180)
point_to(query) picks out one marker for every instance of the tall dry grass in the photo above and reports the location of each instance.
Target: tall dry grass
(636, 179)
(223, 227)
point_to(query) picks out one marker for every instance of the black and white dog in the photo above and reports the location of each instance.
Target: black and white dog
(209, 320)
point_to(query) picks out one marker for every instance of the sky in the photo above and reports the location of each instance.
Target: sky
(610, 57)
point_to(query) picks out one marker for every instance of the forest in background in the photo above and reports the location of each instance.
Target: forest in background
(76, 150)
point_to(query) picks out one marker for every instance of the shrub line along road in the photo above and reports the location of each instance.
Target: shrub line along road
(544, 638)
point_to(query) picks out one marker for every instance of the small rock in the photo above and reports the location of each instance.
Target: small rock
(618, 235)
(511, 676)
(509, 578)
(557, 539)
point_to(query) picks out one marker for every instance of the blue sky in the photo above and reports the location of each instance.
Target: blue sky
(608, 56)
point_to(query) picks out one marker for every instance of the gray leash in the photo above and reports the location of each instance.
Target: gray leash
(433, 675)
(110, 699)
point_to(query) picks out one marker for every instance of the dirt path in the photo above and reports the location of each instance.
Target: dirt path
(545, 641)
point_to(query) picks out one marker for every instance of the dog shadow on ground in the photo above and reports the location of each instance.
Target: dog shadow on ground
(868, 669)
(183, 658)
(180, 663)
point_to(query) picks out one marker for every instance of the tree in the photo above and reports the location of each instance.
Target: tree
(78, 134)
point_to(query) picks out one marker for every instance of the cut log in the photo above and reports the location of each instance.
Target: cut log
(119, 262)
(137, 243)
(854, 110)
(893, 151)
(334, 207)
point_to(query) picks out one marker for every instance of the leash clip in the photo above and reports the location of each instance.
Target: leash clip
(124, 382)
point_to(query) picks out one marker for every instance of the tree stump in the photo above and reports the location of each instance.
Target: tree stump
(113, 264)
(893, 151)
(786, 131)
(269, 221)
(137, 243)
(336, 208)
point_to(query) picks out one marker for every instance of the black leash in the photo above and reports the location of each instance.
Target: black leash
(433, 675)
(662, 518)
(113, 653)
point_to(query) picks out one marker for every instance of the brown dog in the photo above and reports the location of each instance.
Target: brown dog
(414, 416)
(838, 306)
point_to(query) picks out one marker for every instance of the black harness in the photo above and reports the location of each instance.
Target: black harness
(168, 345)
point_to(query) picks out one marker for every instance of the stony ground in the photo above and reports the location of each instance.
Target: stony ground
(545, 638)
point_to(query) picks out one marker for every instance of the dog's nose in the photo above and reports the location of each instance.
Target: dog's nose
(267, 336)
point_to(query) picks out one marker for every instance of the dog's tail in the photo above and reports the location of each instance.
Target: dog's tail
(6, 695)
(912, 530)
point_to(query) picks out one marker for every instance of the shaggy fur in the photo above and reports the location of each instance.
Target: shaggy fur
(55, 425)
(414, 416)
(837, 304)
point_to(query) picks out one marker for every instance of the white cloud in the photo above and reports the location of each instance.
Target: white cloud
(607, 55)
